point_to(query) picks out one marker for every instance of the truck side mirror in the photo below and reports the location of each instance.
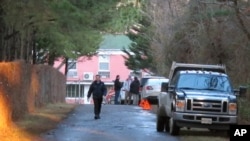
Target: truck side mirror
(164, 86)
(242, 91)
(171, 88)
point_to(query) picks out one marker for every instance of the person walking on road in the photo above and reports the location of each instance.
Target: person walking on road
(97, 90)
(134, 90)
(117, 87)
(126, 88)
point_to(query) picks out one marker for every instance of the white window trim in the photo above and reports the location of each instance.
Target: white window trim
(72, 69)
(100, 60)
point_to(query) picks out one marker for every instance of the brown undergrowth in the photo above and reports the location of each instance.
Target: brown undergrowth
(44, 119)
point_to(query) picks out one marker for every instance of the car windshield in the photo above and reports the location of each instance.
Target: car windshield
(204, 82)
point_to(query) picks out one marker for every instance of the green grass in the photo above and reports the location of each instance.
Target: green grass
(244, 111)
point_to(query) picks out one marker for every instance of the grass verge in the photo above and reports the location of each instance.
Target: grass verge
(44, 119)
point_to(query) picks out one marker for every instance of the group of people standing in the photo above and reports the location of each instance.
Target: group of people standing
(98, 90)
(131, 88)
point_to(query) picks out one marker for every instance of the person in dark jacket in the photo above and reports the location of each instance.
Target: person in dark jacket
(117, 88)
(98, 90)
(134, 90)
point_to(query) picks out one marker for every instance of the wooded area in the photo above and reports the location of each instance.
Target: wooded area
(162, 31)
(194, 31)
(40, 31)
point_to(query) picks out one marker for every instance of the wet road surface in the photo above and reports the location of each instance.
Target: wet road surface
(117, 123)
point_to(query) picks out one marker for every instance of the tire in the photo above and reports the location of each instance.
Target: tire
(173, 128)
(160, 123)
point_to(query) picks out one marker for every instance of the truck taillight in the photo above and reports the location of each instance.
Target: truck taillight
(149, 88)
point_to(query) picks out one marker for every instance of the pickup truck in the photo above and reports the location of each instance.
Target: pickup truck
(197, 96)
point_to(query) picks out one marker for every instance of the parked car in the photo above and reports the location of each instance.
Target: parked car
(151, 87)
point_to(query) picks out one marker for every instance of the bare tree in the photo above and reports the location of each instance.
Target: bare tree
(202, 31)
(164, 15)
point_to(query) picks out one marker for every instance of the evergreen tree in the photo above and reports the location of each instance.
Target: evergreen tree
(40, 31)
(139, 53)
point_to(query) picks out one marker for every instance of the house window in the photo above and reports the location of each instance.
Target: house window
(104, 62)
(103, 66)
(104, 74)
(72, 64)
(72, 71)
(73, 90)
(104, 71)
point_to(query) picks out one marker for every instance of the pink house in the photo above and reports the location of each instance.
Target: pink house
(109, 62)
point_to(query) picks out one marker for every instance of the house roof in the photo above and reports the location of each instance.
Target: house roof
(116, 42)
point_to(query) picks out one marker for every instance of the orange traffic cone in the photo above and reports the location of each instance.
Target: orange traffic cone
(147, 106)
(142, 102)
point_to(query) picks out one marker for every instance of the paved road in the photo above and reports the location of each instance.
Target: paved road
(117, 123)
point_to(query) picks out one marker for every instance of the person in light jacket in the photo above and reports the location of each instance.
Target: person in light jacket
(97, 90)
(126, 88)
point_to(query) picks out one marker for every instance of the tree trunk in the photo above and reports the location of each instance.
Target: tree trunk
(66, 65)
(241, 21)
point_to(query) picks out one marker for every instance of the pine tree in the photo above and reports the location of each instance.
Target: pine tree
(139, 53)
